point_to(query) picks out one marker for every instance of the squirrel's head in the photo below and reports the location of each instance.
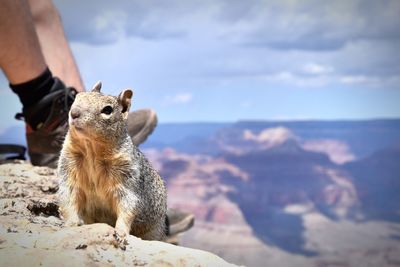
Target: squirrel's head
(96, 115)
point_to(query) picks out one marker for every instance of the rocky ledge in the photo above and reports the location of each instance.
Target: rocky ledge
(32, 234)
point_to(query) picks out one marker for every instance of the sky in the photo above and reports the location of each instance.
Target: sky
(229, 60)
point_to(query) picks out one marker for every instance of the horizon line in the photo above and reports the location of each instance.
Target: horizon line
(284, 120)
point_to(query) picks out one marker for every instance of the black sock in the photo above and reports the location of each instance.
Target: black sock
(31, 92)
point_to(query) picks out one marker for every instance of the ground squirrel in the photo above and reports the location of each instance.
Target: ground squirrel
(104, 177)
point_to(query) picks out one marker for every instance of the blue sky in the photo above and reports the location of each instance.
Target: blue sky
(231, 60)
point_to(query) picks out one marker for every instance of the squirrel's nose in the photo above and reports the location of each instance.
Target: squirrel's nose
(75, 113)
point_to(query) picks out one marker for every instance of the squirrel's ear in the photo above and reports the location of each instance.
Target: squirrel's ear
(124, 99)
(97, 87)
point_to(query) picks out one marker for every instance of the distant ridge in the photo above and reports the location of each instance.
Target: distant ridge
(362, 136)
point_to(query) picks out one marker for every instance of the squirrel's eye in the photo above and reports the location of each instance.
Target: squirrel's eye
(107, 110)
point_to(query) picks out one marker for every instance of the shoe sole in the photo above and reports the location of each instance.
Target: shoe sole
(147, 130)
(182, 226)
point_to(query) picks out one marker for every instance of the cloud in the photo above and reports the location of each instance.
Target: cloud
(323, 78)
(312, 26)
(112, 22)
(181, 98)
(251, 38)
(103, 22)
(283, 25)
(358, 79)
(316, 69)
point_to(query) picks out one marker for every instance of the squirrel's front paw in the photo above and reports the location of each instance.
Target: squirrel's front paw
(120, 239)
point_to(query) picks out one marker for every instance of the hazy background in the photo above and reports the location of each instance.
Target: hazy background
(279, 121)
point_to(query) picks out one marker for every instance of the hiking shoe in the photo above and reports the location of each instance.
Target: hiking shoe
(141, 124)
(45, 139)
(178, 221)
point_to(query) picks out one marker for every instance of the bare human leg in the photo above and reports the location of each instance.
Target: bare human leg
(54, 44)
(21, 58)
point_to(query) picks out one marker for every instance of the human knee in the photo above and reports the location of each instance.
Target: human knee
(43, 11)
